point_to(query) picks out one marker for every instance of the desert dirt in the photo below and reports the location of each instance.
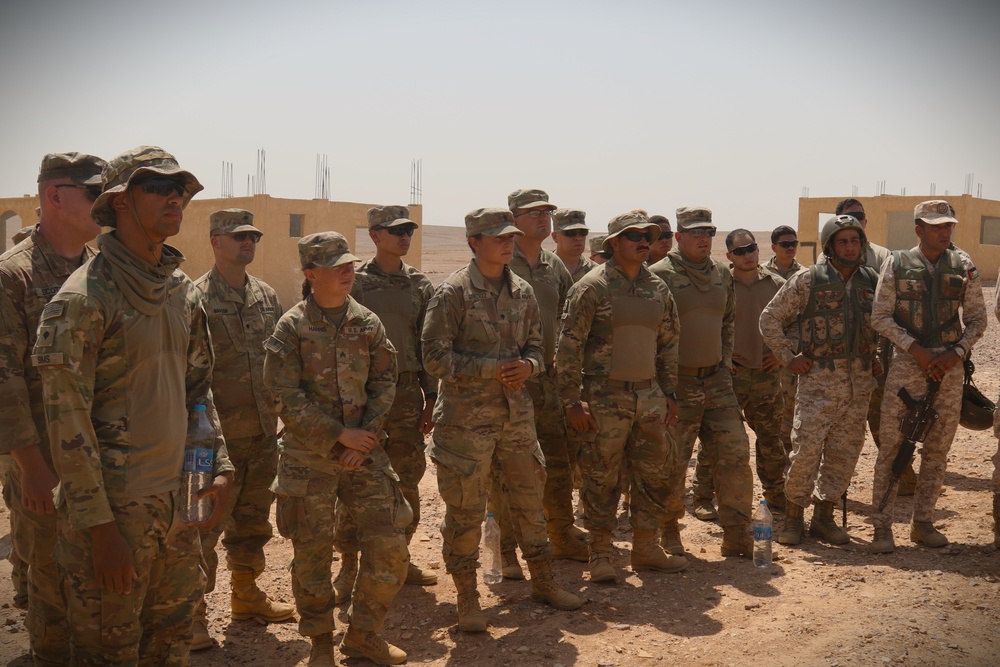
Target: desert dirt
(816, 605)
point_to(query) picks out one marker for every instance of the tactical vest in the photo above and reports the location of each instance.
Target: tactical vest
(927, 305)
(823, 325)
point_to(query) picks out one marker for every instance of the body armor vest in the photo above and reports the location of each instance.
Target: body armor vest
(836, 323)
(927, 305)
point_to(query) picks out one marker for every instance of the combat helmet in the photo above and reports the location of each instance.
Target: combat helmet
(836, 224)
(977, 410)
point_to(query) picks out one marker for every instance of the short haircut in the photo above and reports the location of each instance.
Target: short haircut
(848, 203)
(738, 232)
(660, 220)
(782, 230)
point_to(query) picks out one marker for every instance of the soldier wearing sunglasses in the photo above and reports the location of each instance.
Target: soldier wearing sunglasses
(30, 274)
(664, 243)
(570, 236)
(706, 304)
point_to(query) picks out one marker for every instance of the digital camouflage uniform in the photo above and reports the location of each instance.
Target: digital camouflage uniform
(789, 380)
(31, 274)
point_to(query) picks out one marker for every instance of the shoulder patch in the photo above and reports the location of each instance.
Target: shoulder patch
(53, 309)
(54, 359)
(359, 330)
(973, 273)
(275, 346)
(47, 292)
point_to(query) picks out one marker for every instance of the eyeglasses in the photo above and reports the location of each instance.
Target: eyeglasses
(535, 213)
(240, 237)
(402, 230)
(93, 191)
(788, 244)
(164, 187)
(634, 236)
(744, 249)
(701, 231)
(575, 232)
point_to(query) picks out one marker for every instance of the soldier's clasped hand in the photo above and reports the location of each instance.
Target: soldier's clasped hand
(359, 439)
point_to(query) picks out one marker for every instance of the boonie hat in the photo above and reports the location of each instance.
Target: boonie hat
(529, 198)
(123, 169)
(565, 219)
(934, 212)
(490, 222)
(597, 243)
(325, 249)
(693, 217)
(637, 219)
(389, 216)
(78, 167)
(230, 221)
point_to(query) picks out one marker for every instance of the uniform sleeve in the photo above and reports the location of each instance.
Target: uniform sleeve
(974, 314)
(728, 322)
(16, 421)
(442, 324)
(783, 309)
(380, 387)
(667, 339)
(577, 319)
(885, 305)
(533, 349)
(427, 381)
(200, 362)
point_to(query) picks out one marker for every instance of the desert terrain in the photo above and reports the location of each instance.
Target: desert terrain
(815, 606)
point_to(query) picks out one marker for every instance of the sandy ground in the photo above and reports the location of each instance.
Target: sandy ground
(817, 605)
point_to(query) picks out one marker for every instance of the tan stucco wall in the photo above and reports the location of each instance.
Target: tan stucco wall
(277, 259)
(968, 209)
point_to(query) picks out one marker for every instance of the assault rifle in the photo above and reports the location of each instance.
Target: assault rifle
(915, 424)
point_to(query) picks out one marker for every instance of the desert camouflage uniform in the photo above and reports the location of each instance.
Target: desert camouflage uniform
(996, 427)
(583, 268)
(905, 372)
(616, 330)
(400, 301)
(30, 275)
(328, 377)
(125, 353)
(783, 274)
(705, 398)
(480, 424)
(789, 380)
(240, 323)
(832, 400)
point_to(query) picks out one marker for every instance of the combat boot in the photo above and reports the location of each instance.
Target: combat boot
(545, 589)
(776, 502)
(670, 537)
(510, 566)
(321, 654)
(361, 644)
(824, 526)
(249, 602)
(791, 533)
(737, 541)
(996, 520)
(882, 543)
(924, 532)
(343, 585)
(200, 639)
(601, 569)
(576, 533)
(417, 576)
(648, 555)
(704, 509)
(470, 615)
(565, 547)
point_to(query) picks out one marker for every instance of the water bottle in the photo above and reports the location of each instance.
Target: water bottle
(491, 551)
(762, 536)
(198, 454)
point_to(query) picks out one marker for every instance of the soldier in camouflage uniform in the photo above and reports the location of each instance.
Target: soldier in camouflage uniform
(703, 291)
(570, 235)
(664, 243)
(30, 274)
(398, 294)
(596, 243)
(125, 353)
(996, 457)
(619, 342)
(482, 338)
(929, 303)
(836, 365)
(756, 378)
(242, 312)
(333, 372)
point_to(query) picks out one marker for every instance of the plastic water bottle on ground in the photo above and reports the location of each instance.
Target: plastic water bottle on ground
(762, 523)
(199, 451)
(490, 551)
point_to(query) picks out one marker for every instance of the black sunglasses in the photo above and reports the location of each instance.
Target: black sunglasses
(240, 237)
(93, 191)
(402, 230)
(858, 215)
(634, 236)
(744, 249)
(788, 244)
(700, 231)
(164, 187)
(576, 232)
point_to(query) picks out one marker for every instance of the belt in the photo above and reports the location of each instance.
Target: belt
(696, 371)
(630, 386)
(407, 376)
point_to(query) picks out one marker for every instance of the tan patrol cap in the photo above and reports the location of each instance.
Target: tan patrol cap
(230, 221)
(565, 219)
(123, 169)
(325, 249)
(597, 243)
(78, 167)
(529, 198)
(490, 222)
(389, 216)
(934, 212)
(693, 217)
(637, 219)
(21, 234)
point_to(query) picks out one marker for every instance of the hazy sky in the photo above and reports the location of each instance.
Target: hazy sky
(608, 106)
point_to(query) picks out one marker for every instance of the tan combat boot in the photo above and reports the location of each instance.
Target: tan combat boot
(545, 589)
(824, 526)
(510, 567)
(343, 585)
(321, 654)
(670, 537)
(470, 615)
(567, 547)
(418, 576)
(249, 602)
(576, 533)
(704, 509)
(601, 569)
(996, 520)
(791, 533)
(882, 543)
(201, 639)
(737, 541)
(361, 644)
(648, 555)
(924, 532)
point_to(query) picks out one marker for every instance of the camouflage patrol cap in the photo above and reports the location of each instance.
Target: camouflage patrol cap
(529, 198)
(381, 217)
(78, 167)
(123, 169)
(597, 243)
(693, 217)
(660, 220)
(21, 234)
(490, 222)
(230, 221)
(325, 249)
(565, 219)
(934, 212)
(637, 219)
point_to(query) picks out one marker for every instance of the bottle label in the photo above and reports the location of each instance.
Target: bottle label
(198, 459)
(762, 532)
